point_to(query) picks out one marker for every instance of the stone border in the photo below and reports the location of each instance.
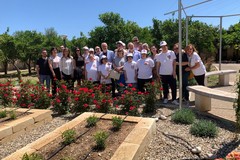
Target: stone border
(13, 129)
(132, 148)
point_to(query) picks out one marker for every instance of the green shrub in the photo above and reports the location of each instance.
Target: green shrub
(100, 139)
(33, 156)
(204, 128)
(12, 114)
(68, 136)
(183, 116)
(92, 121)
(3, 114)
(117, 123)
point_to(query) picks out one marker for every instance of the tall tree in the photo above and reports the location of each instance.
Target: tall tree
(28, 44)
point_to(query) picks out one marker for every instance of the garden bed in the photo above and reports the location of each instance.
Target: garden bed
(174, 141)
(129, 143)
(30, 119)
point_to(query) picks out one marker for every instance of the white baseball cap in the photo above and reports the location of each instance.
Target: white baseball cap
(144, 51)
(91, 49)
(85, 48)
(163, 43)
(104, 57)
(129, 55)
(120, 42)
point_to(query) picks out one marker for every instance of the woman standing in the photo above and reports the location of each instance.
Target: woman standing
(118, 63)
(54, 61)
(67, 64)
(91, 69)
(130, 71)
(185, 74)
(166, 67)
(195, 64)
(79, 70)
(144, 65)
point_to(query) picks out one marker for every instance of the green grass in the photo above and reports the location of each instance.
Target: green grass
(183, 116)
(213, 80)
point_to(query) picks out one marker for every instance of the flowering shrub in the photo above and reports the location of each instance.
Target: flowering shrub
(150, 97)
(231, 156)
(103, 101)
(6, 93)
(41, 98)
(81, 99)
(62, 102)
(25, 95)
(130, 101)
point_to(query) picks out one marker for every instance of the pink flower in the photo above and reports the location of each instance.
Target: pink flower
(58, 100)
(130, 85)
(85, 105)
(76, 98)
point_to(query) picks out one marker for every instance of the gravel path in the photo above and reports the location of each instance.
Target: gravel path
(173, 141)
(10, 147)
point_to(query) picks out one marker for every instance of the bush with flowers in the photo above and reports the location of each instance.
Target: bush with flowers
(150, 97)
(231, 156)
(25, 95)
(62, 102)
(102, 101)
(6, 93)
(130, 101)
(41, 97)
(81, 98)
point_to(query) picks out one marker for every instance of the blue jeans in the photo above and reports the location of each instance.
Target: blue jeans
(46, 78)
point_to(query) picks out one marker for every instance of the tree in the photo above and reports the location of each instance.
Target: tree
(28, 44)
(51, 39)
(115, 29)
(9, 52)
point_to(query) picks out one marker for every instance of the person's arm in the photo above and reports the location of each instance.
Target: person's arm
(38, 69)
(158, 64)
(51, 67)
(61, 67)
(174, 68)
(125, 75)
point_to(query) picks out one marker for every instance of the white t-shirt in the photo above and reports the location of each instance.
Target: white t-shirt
(92, 70)
(105, 70)
(130, 69)
(195, 58)
(166, 60)
(55, 61)
(144, 67)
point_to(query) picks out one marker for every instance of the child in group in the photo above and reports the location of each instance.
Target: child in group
(130, 71)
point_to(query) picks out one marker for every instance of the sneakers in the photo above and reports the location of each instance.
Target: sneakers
(175, 102)
(165, 101)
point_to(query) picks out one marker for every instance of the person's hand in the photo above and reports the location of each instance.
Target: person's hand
(174, 75)
(54, 75)
(188, 69)
(38, 77)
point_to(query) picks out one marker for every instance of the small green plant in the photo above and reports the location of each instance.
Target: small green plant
(92, 121)
(3, 114)
(100, 139)
(204, 128)
(183, 116)
(12, 114)
(117, 123)
(68, 136)
(33, 156)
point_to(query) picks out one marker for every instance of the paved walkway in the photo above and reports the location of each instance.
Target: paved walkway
(221, 108)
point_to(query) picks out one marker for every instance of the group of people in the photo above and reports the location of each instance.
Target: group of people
(136, 64)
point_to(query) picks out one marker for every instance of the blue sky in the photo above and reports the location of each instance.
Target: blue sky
(71, 17)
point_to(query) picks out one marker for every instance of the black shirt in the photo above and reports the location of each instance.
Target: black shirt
(43, 66)
(184, 59)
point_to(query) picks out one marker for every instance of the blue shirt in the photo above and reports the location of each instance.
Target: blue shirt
(110, 55)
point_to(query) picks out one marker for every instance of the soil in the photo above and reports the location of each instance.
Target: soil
(8, 119)
(83, 147)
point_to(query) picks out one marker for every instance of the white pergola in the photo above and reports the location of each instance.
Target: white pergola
(180, 8)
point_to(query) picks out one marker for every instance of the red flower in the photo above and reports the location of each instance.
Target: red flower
(133, 89)
(121, 85)
(64, 86)
(161, 89)
(85, 105)
(90, 79)
(130, 85)
(58, 100)
(92, 95)
(117, 106)
(76, 98)
(95, 101)
(132, 108)
(139, 93)
(5, 95)
(98, 107)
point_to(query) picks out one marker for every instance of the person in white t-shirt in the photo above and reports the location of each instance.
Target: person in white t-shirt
(130, 71)
(195, 64)
(144, 66)
(166, 67)
(91, 69)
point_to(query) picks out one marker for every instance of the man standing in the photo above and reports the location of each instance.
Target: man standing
(43, 69)
(97, 51)
(110, 57)
(60, 54)
(136, 53)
